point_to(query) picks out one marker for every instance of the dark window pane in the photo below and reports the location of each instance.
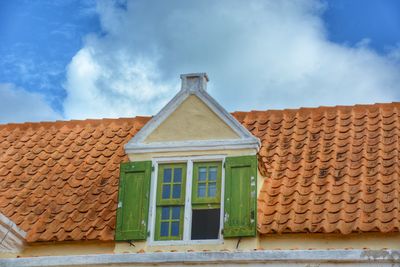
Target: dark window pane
(177, 175)
(205, 224)
(201, 190)
(202, 173)
(176, 193)
(212, 189)
(167, 176)
(176, 212)
(175, 229)
(164, 229)
(164, 213)
(166, 191)
(212, 175)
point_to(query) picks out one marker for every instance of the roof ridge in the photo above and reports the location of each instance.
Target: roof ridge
(76, 122)
(339, 107)
(142, 117)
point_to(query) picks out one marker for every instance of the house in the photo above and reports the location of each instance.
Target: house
(198, 185)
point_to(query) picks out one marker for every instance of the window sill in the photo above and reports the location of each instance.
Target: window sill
(183, 243)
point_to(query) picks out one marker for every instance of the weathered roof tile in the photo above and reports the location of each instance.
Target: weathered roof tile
(56, 178)
(328, 169)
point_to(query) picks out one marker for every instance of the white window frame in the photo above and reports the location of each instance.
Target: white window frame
(187, 221)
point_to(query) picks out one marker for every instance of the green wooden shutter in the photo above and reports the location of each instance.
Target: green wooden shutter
(240, 196)
(133, 200)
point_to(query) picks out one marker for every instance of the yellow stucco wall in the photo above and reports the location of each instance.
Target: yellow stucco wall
(375, 241)
(282, 242)
(63, 248)
(331, 241)
(192, 120)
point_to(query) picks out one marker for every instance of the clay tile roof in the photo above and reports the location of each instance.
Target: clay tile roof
(328, 169)
(59, 180)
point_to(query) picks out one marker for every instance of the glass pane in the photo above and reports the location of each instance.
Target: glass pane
(176, 193)
(164, 229)
(212, 175)
(212, 189)
(176, 213)
(177, 175)
(201, 190)
(175, 229)
(166, 191)
(164, 213)
(167, 176)
(202, 173)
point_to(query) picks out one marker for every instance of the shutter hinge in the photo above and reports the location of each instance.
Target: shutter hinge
(120, 204)
(222, 231)
(148, 233)
(152, 168)
(224, 165)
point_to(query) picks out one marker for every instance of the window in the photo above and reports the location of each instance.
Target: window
(188, 209)
(187, 200)
(170, 201)
(206, 200)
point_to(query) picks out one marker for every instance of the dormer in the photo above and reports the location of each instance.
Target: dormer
(192, 175)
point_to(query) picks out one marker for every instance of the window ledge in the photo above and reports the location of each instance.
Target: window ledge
(270, 257)
(183, 243)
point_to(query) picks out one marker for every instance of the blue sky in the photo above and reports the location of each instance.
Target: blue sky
(87, 59)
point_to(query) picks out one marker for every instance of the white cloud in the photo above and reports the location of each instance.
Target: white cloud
(258, 54)
(19, 105)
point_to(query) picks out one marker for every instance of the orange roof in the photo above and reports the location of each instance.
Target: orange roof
(59, 181)
(330, 169)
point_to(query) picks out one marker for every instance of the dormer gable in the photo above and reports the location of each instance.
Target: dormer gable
(192, 120)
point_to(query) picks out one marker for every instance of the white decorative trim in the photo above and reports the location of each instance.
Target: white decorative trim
(192, 146)
(237, 258)
(189, 160)
(12, 238)
(246, 140)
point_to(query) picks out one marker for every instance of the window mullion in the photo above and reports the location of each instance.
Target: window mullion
(188, 202)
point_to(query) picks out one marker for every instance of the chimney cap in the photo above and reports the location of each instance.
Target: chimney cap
(194, 81)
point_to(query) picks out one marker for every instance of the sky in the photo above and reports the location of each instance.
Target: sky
(70, 59)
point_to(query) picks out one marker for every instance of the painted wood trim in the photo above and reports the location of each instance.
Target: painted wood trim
(12, 238)
(124, 205)
(249, 210)
(209, 145)
(160, 203)
(171, 201)
(206, 200)
(188, 203)
(272, 257)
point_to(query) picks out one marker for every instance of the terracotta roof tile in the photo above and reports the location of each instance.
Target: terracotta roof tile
(58, 180)
(328, 169)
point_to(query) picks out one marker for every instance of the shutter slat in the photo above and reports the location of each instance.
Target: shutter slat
(240, 196)
(133, 200)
